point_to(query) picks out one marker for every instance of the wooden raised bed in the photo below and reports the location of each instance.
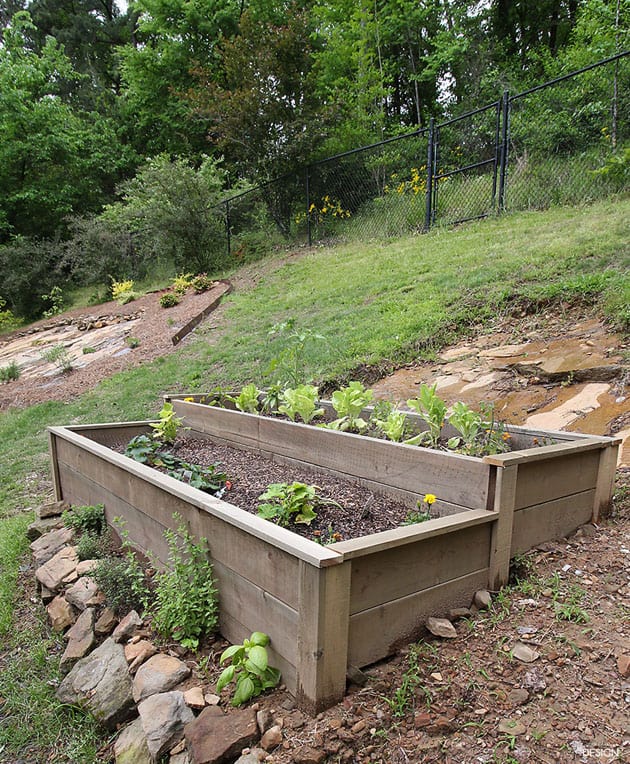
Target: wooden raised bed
(352, 602)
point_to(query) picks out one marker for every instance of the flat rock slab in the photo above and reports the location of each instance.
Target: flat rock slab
(47, 546)
(81, 640)
(137, 653)
(106, 622)
(131, 745)
(52, 573)
(52, 509)
(218, 738)
(61, 614)
(524, 653)
(441, 627)
(84, 593)
(163, 717)
(101, 683)
(40, 528)
(159, 674)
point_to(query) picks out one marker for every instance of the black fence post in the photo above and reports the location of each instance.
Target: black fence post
(228, 225)
(308, 205)
(429, 192)
(505, 139)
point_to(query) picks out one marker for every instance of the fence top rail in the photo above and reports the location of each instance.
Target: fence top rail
(468, 114)
(419, 131)
(568, 76)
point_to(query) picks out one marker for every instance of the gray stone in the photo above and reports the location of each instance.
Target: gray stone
(46, 594)
(272, 738)
(459, 612)
(47, 546)
(215, 738)
(524, 653)
(100, 683)
(158, 675)
(441, 627)
(534, 681)
(80, 638)
(356, 676)
(164, 716)
(40, 527)
(52, 573)
(482, 599)
(179, 758)
(518, 697)
(60, 613)
(264, 720)
(106, 622)
(84, 593)
(131, 745)
(127, 626)
(255, 756)
(52, 509)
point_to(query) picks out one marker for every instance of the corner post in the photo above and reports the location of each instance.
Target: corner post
(324, 617)
(54, 466)
(501, 545)
(605, 481)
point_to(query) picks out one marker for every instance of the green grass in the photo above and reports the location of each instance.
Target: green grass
(377, 305)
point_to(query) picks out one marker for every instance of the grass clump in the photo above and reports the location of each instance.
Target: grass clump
(10, 372)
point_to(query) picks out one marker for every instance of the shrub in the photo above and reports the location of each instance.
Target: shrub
(169, 300)
(122, 291)
(186, 600)
(94, 546)
(9, 373)
(59, 355)
(181, 283)
(55, 298)
(201, 283)
(123, 582)
(86, 519)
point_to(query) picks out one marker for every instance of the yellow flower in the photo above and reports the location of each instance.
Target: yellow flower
(430, 498)
(190, 400)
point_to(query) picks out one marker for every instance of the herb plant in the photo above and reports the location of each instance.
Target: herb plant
(300, 402)
(59, 355)
(349, 402)
(186, 600)
(478, 435)
(86, 519)
(9, 373)
(249, 668)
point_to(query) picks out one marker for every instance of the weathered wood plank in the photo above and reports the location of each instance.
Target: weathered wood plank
(550, 520)
(380, 631)
(605, 482)
(398, 572)
(54, 467)
(506, 488)
(543, 453)
(322, 635)
(564, 475)
(220, 290)
(230, 426)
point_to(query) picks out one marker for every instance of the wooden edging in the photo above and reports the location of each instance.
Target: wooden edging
(303, 549)
(544, 452)
(179, 335)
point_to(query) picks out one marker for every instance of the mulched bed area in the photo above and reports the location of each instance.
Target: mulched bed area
(362, 511)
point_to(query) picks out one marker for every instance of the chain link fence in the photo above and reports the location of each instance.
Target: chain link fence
(564, 142)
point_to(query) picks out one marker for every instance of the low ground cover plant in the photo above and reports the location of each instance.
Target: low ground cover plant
(284, 503)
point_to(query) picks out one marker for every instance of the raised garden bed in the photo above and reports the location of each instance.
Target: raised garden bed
(352, 602)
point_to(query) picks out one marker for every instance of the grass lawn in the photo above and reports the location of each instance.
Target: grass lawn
(375, 304)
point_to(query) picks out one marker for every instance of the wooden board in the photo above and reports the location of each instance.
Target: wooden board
(395, 573)
(380, 631)
(543, 481)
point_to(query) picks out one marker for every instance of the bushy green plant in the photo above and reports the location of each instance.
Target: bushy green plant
(248, 399)
(93, 546)
(349, 402)
(123, 292)
(87, 350)
(433, 410)
(59, 355)
(9, 373)
(284, 503)
(186, 599)
(201, 283)
(142, 448)
(250, 668)
(289, 365)
(301, 402)
(169, 300)
(182, 283)
(55, 298)
(479, 434)
(123, 582)
(89, 518)
(165, 431)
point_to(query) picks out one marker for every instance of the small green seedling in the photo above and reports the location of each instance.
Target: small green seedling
(250, 668)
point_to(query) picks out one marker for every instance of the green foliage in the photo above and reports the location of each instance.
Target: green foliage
(186, 600)
(7, 320)
(93, 546)
(142, 448)
(288, 366)
(393, 425)
(165, 431)
(201, 283)
(433, 410)
(300, 402)
(284, 503)
(617, 167)
(349, 402)
(55, 298)
(86, 519)
(249, 668)
(123, 292)
(248, 400)
(169, 300)
(478, 434)
(10, 372)
(132, 342)
(182, 283)
(59, 355)
(123, 582)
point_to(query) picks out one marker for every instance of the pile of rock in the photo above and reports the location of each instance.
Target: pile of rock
(113, 670)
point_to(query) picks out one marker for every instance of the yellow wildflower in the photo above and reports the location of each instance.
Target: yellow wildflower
(430, 498)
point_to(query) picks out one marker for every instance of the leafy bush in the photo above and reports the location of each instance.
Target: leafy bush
(182, 283)
(186, 600)
(123, 582)
(9, 373)
(59, 355)
(169, 300)
(93, 546)
(123, 292)
(86, 519)
(201, 283)
(55, 298)
(165, 431)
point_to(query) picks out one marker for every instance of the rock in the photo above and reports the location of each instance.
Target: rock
(623, 665)
(358, 727)
(46, 594)
(138, 652)
(264, 720)
(81, 639)
(512, 727)
(106, 622)
(131, 745)
(47, 546)
(179, 758)
(441, 627)
(214, 737)
(158, 675)
(60, 613)
(100, 683)
(70, 578)
(422, 719)
(459, 612)
(518, 697)
(355, 676)
(52, 573)
(212, 699)
(482, 599)
(255, 756)
(534, 682)
(272, 738)
(52, 509)
(308, 755)
(194, 698)
(85, 567)
(127, 626)
(524, 653)
(164, 716)
(84, 593)
(40, 527)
